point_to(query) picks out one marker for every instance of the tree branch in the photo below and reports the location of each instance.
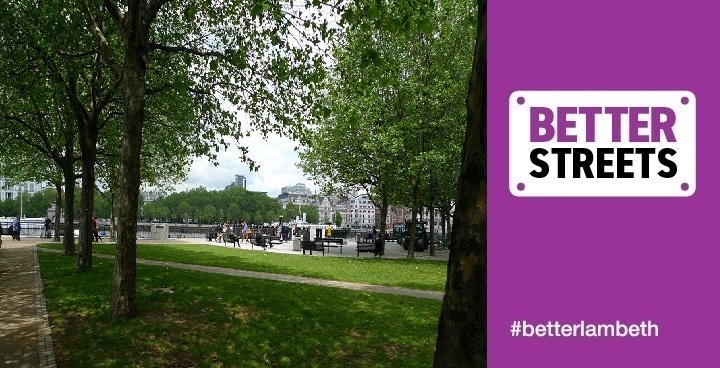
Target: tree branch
(81, 115)
(154, 8)
(76, 54)
(116, 14)
(94, 28)
(30, 142)
(163, 87)
(173, 49)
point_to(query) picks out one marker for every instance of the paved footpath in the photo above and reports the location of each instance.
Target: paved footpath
(437, 295)
(25, 339)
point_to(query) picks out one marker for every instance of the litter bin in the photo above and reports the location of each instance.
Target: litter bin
(296, 244)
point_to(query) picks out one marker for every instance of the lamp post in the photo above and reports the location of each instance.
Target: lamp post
(22, 186)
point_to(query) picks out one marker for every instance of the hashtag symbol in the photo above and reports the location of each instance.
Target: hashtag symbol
(515, 328)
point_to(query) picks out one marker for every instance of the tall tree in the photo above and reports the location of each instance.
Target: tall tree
(462, 331)
(90, 91)
(35, 117)
(253, 54)
(395, 105)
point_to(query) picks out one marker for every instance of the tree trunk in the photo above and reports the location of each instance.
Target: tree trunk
(69, 236)
(462, 331)
(112, 215)
(58, 210)
(383, 220)
(432, 218)
(432, 227)
(122, 304)
(413, 233)
(88, 147)
(444, 215)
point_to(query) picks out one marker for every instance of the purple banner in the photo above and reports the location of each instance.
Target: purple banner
(604, 281)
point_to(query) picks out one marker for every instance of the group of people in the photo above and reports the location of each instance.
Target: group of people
(372, 235)
(15, 227)
(216, 232)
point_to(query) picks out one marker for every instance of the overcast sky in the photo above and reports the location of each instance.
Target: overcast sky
(275, 156)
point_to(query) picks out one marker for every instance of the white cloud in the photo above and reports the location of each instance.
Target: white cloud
(275, 156)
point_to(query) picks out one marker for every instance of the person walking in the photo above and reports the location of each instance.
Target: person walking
(245, 232)
(221, 229)
(95, 229)
(16, 228)
(47, 226)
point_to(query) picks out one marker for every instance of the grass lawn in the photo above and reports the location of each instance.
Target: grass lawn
(196, 319)
(409, 273)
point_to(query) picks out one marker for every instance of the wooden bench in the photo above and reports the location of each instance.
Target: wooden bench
(328, 242)
(311, 246)
(376, 248)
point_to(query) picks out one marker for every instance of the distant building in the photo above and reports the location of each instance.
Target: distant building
(240, 181)
(327, 206)
(395, 215)
(9, 189)
(297, 194)
(357, 211)
(298, 188)
(151, 196)
(360, 212)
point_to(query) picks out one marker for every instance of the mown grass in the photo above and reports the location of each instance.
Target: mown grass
(409, 273)
(196, 319)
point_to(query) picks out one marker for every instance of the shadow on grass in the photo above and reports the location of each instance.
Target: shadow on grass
(190, 318)
(408, 273)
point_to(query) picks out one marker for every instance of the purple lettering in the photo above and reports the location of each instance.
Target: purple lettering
(657, 124)
(590, 113)
(616, 113)
(563, 124)
(536, 124)
(636, 124)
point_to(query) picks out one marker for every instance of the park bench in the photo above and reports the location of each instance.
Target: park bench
(311, 246)
(370, 247)
(260, 241)
(331, 242)
(4, 231)
(231, 238)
